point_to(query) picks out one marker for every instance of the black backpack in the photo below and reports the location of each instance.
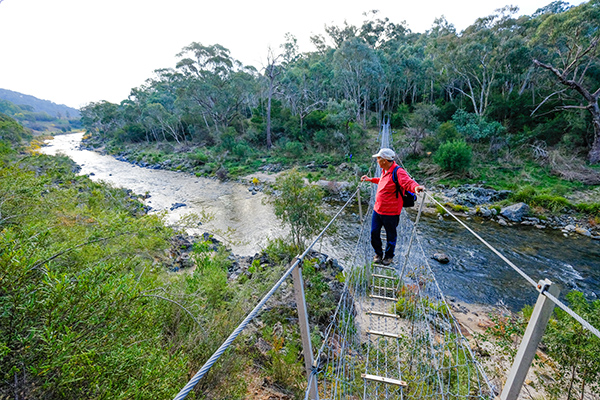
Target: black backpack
(408, 198)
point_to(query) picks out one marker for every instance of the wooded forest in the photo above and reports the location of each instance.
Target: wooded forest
(505, 81)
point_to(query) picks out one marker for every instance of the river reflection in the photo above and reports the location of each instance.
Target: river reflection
(474, 275)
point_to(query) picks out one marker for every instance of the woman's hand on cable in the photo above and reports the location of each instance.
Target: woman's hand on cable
(365, 178)
(419, 189)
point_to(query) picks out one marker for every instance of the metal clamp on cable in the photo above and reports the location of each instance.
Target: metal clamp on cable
(543, 286)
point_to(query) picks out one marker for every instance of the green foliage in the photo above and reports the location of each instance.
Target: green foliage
(531, 196)
(86, 308)
(11, 131)
(280, 251)
(475, 127)
(575, 348)
(298, 206)
(446, 132)
(72, 311)
(457, 207)
(454, 156)
(589, 208)
(285, 366)
(319, 299)
(294, 149)
(242, 150)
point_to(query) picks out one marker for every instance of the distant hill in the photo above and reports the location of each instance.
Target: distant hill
(38, 105)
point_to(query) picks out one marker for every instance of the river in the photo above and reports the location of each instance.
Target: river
(474, 274)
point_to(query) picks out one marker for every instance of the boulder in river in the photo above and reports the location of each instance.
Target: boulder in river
(441, 258)
(175, 206)
(583, 231)
(516, 212)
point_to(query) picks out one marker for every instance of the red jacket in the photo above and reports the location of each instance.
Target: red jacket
(386, 202)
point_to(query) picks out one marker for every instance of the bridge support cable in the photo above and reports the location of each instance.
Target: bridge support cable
(536, 327)
(412, 235)
(388, 330)
(213, 359)
(536, 285)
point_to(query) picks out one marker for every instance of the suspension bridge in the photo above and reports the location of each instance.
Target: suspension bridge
(393, 334)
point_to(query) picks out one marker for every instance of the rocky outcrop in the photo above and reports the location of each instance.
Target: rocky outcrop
(473, 195)
(516, 212)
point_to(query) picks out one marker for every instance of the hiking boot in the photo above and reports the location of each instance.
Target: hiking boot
(387, 261)
(377, 259)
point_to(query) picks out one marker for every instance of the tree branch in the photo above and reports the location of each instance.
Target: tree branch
(567, 82)
(543, 101)
(576, 107)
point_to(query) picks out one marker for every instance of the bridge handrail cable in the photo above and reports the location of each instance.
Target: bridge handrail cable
(541, 289)
(217, 354)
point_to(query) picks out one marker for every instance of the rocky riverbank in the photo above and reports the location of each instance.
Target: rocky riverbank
(466, 201)
(473, 201)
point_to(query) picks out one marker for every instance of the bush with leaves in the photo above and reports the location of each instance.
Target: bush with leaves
(454, 156)
(475, 127)
(575, 348)
(298, 206)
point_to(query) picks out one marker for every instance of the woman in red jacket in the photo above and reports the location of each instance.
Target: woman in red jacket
(386, 212)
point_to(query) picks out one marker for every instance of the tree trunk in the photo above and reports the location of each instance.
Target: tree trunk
(269, 143)
(572, 381)
(592, 106)
(594, 154)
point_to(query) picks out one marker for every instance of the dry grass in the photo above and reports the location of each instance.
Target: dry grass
(571, 167)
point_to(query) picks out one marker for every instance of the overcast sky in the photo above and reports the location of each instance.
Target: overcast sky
(78, 51)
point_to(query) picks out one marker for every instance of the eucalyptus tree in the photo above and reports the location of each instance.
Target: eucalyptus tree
(215, 85)
(162, 109)
(570, 44)
(101, 118)
(271, 80)
(357, 70)
(382, 33)
(306, 86)
(477, 57)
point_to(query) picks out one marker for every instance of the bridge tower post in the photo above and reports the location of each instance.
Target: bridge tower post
(532, 337)
(304, 329)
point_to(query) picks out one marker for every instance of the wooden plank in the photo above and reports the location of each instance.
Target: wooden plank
(384, 277)
(383, 314)
(383, 379)
(384, 266)
(386, 334)
(383, 297)
(383, 287)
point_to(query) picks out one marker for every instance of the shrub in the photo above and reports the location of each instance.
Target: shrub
(294, 149)
(475, 127)
(242, 150)
(454, 156)
(589, 208)
(552, 203)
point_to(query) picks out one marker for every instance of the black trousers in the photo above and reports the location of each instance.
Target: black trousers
(389, 223)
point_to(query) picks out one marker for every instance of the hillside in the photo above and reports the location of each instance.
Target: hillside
(39, 105)
(40, 116)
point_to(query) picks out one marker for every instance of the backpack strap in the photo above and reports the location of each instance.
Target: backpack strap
(395, 179)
